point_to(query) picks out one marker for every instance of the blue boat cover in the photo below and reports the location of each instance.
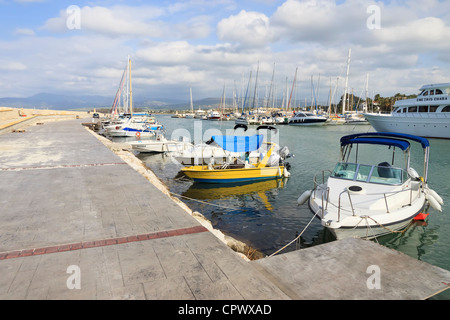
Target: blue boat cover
(385, 138)
(239, 143)
(402, 144)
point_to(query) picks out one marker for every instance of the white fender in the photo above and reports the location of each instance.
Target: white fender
(434, 194)
(433, 202)
(286, 173)
(304, 197)
(413, 173)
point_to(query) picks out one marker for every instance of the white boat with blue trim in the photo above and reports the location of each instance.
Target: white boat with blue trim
(368, 200)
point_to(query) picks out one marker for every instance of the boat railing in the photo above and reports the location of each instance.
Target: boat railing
(385, 196)
(323, 173)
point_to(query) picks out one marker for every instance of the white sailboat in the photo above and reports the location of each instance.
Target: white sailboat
(190, 115)
(142, 124)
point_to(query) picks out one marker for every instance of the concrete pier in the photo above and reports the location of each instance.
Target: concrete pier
(77, 221)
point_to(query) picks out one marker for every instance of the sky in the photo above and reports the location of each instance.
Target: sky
(213, 46)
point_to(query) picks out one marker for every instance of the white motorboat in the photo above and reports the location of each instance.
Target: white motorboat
(160, 145)
(200, 114)
(371, 200)
(355, 118)
(301, 118)
(248, 120)
(214, 116)
(428, 115)
(139, 125)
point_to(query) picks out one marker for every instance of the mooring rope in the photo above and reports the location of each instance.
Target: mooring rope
(204, 202)
(297, 236)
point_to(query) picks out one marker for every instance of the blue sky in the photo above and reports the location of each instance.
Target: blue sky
(206, 43)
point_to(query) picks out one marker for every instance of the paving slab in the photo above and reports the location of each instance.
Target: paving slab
(354, 269)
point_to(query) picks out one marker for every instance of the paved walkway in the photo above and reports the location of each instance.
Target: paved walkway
(74, 213)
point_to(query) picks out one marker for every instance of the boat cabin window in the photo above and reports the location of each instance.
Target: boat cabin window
(433, 108)
(398, 110)
(446, 109)
(425, 93)
(431, 92)
(423, 108)
(382, 173)
(438, 91)
(412, 109)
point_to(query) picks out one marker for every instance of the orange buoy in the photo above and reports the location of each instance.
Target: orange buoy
(421, 216)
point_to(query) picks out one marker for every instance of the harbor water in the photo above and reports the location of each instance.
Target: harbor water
(266, 216)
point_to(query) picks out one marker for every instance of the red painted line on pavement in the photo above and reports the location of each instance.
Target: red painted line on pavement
(99, 243)
(63, 166)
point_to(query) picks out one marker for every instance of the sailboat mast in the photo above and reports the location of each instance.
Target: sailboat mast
(192, 104)
(346, 81)
(256, 88)
(292, 90)
(367, 93)
(131, 90)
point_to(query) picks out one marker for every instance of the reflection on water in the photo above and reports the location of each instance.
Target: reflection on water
(240, 192)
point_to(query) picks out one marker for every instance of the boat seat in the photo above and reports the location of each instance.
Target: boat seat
(385, 170)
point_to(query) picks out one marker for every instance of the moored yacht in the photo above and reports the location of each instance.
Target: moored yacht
(301, 118)
(428, 115)
(214, 116)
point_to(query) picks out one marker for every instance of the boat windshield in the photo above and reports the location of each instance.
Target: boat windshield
(383, 173)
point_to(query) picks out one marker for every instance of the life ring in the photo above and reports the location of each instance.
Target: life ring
(138, 134)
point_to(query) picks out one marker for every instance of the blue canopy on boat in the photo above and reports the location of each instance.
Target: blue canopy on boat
(239, 143)
(402, 144)
(386, 138)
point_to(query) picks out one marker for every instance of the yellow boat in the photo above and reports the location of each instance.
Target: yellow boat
(231, 172)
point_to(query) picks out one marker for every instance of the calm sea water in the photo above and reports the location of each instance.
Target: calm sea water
(266, 216)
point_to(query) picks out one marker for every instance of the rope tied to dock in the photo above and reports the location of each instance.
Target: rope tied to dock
(301, 233)
(369, 227)
(204, 202)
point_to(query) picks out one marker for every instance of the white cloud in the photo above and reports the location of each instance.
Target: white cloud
(12, 66)
(429, 32)
(245, 28)
(24, 32)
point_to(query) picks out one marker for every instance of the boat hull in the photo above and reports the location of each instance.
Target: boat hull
(364, 224)
(158, 146)
(424, 126)
(203, 174)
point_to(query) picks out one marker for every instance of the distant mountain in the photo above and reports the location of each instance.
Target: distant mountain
(89, 102)
(73, 102)
(56, 102)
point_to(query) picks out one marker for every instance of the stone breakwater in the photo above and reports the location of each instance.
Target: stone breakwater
(12, 119)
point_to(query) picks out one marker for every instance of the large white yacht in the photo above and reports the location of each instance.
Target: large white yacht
(428, 115)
